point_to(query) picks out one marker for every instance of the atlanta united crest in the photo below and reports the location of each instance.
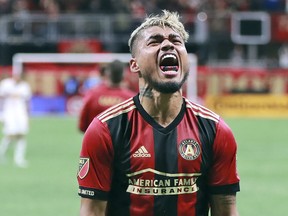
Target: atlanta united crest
(189, 149)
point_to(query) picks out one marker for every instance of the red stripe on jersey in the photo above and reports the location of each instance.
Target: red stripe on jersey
(224, 148)
(142, 158)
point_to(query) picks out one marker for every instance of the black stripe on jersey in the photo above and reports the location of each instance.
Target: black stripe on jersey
(232, 188)
(166, 161)
(207, 134)
(92, 193)
(120, 130)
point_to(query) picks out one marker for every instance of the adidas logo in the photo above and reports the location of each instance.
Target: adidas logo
(141, 152)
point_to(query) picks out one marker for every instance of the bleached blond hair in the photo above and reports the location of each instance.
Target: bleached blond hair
(167, 18)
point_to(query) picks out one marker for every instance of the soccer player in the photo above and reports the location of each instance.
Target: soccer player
(15, 94)
(107, 94)
(158, 153)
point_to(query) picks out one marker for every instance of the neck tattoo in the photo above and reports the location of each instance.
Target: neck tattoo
(145, 92)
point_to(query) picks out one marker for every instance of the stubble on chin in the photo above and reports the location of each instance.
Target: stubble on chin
(163, 87)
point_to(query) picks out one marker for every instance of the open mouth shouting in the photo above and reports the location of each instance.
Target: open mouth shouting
(169, 64)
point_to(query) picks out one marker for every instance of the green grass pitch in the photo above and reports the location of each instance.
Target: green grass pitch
(48, 187)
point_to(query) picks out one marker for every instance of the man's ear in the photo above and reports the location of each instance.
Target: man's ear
(134, 68)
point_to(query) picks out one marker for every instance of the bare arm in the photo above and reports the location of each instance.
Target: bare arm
(224, 205)
(90, 207)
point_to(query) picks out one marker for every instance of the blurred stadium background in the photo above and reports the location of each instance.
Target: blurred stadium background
(241, 48)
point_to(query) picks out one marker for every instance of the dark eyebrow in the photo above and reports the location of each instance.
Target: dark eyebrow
(161, 37)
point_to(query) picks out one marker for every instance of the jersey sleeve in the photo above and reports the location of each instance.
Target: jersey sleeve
(84, 120)
(223, 176)
(95, 164)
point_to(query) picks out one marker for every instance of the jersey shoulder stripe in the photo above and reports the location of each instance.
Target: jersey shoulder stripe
(202, 111)
(116, 110)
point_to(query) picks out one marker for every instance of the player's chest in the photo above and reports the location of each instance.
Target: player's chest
(176, 151)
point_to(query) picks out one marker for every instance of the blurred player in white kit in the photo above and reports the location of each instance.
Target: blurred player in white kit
(15, 94)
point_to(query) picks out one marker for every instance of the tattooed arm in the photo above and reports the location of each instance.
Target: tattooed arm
(224, 205)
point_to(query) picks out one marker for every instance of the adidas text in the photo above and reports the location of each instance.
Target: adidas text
(141, 155)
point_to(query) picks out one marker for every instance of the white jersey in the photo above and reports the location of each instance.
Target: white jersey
(15, 98)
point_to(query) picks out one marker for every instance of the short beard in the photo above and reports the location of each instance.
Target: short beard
(166, 87)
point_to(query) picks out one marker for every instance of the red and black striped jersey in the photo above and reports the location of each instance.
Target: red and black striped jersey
(142, 168)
